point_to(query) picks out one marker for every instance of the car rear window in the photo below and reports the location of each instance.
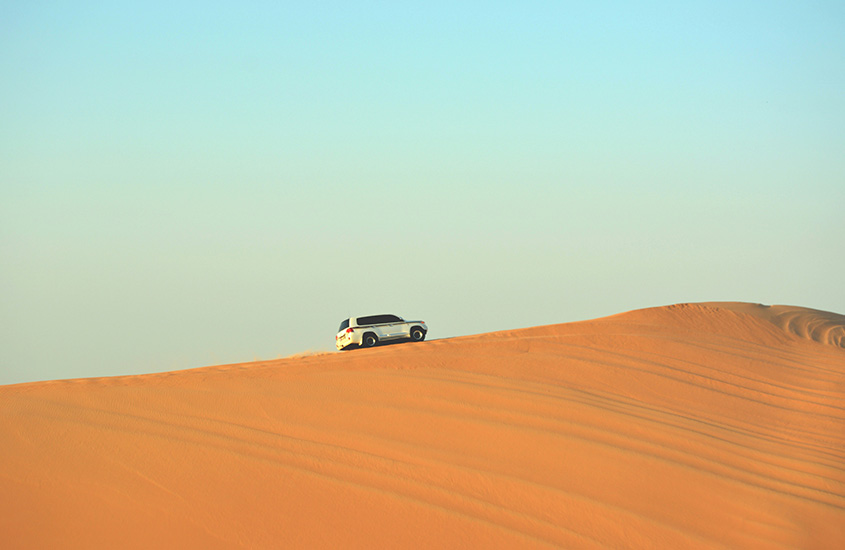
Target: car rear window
(344, 325)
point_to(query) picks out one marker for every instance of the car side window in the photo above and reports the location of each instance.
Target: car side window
(378, 319)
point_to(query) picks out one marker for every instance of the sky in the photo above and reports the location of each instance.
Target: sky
(185, 184)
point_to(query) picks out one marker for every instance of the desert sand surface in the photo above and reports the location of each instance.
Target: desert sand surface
(718, 425)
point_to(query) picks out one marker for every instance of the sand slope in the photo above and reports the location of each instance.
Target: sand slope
(693, 426)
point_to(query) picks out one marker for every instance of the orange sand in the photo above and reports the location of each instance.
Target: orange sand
(690, 426)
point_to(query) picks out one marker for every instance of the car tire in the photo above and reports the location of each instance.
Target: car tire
(417, 334)
(369, 340)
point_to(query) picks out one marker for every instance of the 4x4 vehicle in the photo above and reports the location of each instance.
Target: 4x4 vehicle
(368, 331)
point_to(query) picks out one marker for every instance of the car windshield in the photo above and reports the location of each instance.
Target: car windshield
(344, 325)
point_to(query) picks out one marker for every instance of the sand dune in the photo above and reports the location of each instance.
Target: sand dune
(716, 425)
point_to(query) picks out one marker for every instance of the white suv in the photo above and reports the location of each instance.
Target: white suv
(368, 331)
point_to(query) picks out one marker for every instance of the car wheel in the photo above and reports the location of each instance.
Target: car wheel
(417, 335)
(370, 340)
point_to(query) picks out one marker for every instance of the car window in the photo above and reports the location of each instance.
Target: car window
(344, 325)
(378, 319)
(369, 320)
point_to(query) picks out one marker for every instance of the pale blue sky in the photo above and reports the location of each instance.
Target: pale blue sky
(193, 183)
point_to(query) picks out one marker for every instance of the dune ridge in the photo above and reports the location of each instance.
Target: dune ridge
(713, 425)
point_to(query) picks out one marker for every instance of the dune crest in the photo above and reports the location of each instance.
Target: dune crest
(750, 321)
(716, 425)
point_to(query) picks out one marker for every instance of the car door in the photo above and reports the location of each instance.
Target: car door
(385, 327)
(377, 323)
(396, 327)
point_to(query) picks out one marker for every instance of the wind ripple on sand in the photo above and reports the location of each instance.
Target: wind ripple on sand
(823, 327)
(718, 425)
